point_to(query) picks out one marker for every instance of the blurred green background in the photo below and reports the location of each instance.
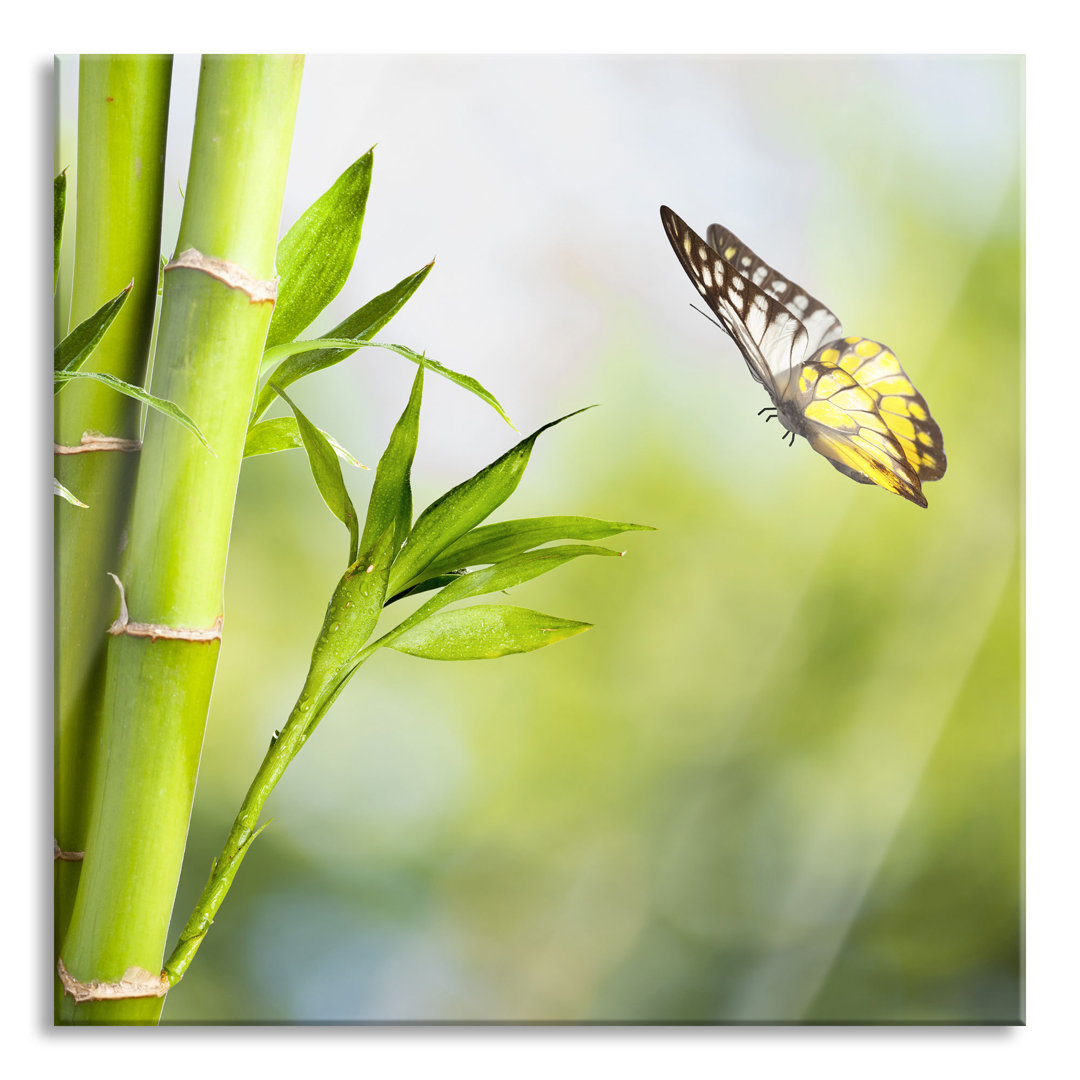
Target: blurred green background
(780, 780)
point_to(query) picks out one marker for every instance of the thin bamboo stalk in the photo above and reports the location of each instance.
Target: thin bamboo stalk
(123, 112)
(212, 329)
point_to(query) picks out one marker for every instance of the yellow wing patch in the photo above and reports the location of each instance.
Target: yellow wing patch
(901, 406)
(864, 415)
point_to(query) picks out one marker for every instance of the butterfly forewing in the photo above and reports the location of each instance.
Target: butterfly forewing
(821, 324)
(769, 336)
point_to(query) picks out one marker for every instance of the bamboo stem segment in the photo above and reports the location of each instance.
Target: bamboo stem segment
(123, 114)
(210, 340)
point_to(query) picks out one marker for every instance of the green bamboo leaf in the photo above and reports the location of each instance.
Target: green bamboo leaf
(167, 408)
(59, 202)
(515, 571)
(466, 382)
(315, 256)
(283, 433)
(463, 507)
(327, 473)
(284, 356)
(71, 353)
(362, 325)
(424, 586)
(493, 543)
(59, 489)
(390, 505)
(484, 632)
(294, 348)
(497, 578)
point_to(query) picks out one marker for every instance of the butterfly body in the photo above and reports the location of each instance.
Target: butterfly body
(847, 396)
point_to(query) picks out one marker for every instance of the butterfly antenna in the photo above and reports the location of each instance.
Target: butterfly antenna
(707, 316)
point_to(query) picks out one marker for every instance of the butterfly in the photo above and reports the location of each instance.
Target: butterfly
(847, 396)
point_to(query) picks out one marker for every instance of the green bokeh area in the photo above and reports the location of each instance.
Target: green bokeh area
(781, 779)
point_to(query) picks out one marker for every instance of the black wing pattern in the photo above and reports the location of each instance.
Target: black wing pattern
(821, 324)
(771, 338)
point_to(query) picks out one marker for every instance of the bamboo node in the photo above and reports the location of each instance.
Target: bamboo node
(59, 855)
(136, 982)
(93, 441)
(124, 625)
(229, 273)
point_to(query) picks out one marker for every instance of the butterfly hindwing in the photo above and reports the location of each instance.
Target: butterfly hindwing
(902, 407)
(769, 336)
(842, 420)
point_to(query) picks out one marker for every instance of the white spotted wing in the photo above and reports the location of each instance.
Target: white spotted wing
(771, 339)
(821, 324)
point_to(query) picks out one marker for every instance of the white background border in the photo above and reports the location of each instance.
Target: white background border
(1045, 1047)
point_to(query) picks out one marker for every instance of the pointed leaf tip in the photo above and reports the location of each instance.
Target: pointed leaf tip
(362, 325)
(485, 632)
(161, 405)
(59, 489)
(457, 511)
(75, 349)
(390, 502)
(283, 433)
(315, 256)
(504, 539)
(326, 471)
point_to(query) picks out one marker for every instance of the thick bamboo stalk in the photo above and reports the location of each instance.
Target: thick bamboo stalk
(215, 313)
(123, 111)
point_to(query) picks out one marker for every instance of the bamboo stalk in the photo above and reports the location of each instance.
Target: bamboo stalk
(215, 313)
(123, 112)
